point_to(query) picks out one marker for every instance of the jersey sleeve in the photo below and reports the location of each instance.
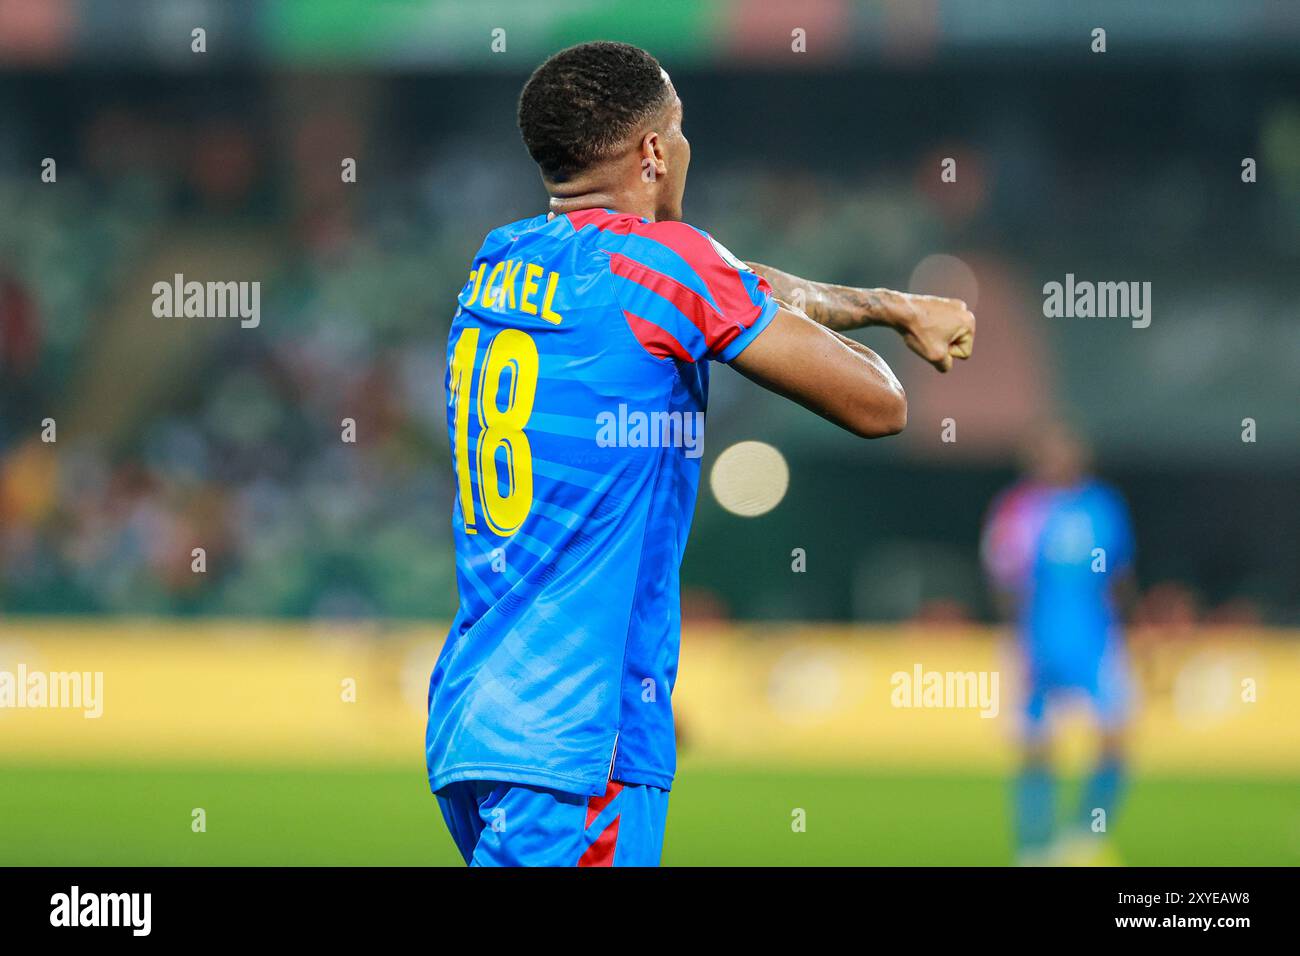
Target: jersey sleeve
(685, 296)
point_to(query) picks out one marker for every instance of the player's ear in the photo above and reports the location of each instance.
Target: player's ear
(653, 163)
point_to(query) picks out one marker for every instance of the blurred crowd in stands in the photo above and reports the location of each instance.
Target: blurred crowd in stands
(237, 449)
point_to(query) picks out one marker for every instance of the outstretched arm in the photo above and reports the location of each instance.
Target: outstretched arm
(840, 379)
(937, 329)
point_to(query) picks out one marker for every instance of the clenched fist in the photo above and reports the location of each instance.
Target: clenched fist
(938, 329)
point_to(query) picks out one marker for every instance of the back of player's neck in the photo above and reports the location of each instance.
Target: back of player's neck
(596, 199)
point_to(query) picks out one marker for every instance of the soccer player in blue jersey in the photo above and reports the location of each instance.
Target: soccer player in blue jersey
(1059, 549)
(578, 371)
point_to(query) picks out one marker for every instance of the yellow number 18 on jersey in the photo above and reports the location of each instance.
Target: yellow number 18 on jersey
(500, 427)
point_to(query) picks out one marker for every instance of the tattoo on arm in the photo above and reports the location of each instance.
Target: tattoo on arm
(840, 308)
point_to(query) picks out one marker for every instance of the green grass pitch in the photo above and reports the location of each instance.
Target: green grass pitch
(718, 816)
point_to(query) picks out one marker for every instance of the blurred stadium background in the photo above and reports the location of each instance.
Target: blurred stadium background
(330, 562)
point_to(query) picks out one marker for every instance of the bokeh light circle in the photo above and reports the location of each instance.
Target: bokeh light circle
(750, 478)
(947, 276)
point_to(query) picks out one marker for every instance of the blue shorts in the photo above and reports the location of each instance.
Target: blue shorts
(510, 824)
(1104, 683)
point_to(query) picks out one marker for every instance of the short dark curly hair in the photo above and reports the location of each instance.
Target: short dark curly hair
(578, 107)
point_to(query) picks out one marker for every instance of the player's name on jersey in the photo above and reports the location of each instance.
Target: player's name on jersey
(512, 285)
(208, 300)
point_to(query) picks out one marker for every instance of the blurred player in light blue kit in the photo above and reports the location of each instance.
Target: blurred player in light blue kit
(1058, 548)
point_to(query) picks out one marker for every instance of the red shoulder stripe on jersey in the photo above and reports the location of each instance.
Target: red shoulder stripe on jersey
(658, 342)
(724, 283)
(689, 302)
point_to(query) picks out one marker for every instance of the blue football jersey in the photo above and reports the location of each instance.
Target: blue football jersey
(1059, 550)
(576, 388)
